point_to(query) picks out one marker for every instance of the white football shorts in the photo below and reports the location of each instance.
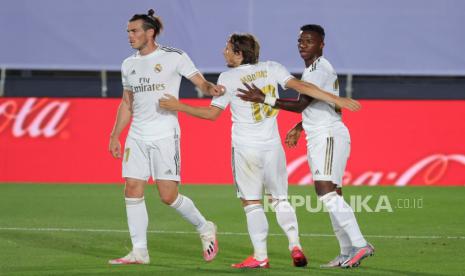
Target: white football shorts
(160, 159)
(256, 170)
(327, 157)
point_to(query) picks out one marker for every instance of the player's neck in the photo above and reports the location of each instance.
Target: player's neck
(311, 60)
(148, 49)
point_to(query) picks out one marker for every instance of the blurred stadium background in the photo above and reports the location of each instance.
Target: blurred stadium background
(60, 87)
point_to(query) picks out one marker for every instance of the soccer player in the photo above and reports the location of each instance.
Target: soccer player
(328, 144)
(258, 159)
(152, 144)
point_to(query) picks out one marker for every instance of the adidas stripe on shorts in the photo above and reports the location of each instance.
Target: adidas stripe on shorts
(327, 157)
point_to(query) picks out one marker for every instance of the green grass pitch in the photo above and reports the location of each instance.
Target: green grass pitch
(75, 229)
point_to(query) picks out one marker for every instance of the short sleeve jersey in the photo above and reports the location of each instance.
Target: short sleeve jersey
(254, 124)
(148, 78)
(320, 115)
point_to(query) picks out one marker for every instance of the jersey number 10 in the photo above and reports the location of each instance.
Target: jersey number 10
(259, 110)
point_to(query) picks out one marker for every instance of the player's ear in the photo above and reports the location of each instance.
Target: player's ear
(322, 45)
(239, 57)
(151, 32)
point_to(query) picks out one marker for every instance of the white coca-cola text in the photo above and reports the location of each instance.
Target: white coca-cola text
(432, 167)
(34, 117)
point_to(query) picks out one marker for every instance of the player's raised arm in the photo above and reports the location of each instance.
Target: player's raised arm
(254, 94)
(169, 102)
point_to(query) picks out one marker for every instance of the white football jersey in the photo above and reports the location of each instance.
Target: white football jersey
(321, 117)
(253, 124)
(149, 77)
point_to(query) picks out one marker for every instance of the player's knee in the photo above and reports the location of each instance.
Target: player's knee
(133, 192)
(324, 187)
(168, 199)
(134, 188)
(281, 205)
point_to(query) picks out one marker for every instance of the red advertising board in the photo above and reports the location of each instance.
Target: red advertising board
(393, 143)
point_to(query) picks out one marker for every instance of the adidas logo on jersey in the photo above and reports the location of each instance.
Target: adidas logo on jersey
(133, 72)
(168, 172)
(317, 172)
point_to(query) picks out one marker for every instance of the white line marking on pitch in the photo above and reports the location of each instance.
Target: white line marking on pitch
(219, 233)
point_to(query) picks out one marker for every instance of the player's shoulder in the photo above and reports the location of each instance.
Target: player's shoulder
(129, 60)
(321, 64)
(171, 50)
(131, 57)
(228, 74)
(270, 64)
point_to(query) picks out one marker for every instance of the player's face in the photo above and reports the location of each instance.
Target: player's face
(231, 58)
(138, 38)
(310, 45)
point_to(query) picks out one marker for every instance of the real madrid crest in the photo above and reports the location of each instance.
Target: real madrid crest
(157, 68)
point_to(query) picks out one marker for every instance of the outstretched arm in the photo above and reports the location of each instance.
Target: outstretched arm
(169, 102)
(254, 94)
(315, 92)
(207, 87)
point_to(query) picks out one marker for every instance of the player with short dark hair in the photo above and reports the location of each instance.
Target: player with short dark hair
(328, 144)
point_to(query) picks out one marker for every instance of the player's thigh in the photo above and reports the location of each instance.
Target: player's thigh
(327, 158)
(136, 161)
(165, 159)
(247, 172)
(275, 173)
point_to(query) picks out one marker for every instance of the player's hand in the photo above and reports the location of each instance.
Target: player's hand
(216, 90)
(292, 137)
(348, 103)
(169, 102)
(115, 147)
(252, 94)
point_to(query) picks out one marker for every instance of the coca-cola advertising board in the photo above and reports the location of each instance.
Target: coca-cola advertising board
(45, 140)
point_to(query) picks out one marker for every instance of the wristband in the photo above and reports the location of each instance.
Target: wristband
(270, 100)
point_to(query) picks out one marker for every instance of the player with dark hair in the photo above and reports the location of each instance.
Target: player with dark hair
(152, 146)
(258, 159)
(328, 144)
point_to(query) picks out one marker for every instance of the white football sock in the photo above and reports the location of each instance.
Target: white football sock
(138, 221)
(344, 217)
(187, 209)
(342, 237)
(285, 215)
(257, 226)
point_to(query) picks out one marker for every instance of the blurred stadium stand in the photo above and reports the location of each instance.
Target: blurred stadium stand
(27, 83)
(381, 49)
